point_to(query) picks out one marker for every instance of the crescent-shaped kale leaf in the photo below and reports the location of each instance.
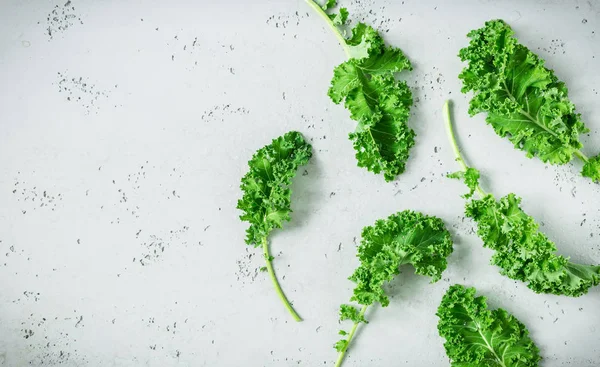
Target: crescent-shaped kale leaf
(403, 238)
(266, 200)
(523, 252)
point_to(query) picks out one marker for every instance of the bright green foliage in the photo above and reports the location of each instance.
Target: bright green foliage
(378, 102)
(329, 5)
(342, 344)
(524, 100)
(404, 238)
(470, 178)
(591, 169)
(338, 19)
(523, 252)
(478, 337)
(266, 200)
(349, 312)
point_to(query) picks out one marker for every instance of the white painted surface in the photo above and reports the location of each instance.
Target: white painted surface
(151, 158)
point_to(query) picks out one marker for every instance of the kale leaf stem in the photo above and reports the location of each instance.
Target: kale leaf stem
(338, 363)
(329, 22)
(282, 297)
(454, 144)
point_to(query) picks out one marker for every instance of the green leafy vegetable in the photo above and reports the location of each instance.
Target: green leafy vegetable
(266, 200)
(338, 19)
(380, 104)
(524, 100)
(476, 336)
(471, 179)
(329, 4)
(403, 238)
(521, 251)
(591, 168)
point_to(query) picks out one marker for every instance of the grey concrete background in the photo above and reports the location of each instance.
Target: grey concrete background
(126, 127)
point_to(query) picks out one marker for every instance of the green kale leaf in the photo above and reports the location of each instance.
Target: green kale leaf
(266, 200)
(406, 237)
(524, 253)
(470, 178)
(591, 169)
(476, 336)
(266, 195)
(524, 100)
(377, 101)
(521, 251)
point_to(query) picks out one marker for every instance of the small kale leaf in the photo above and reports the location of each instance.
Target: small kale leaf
(591, 169)
(266, 195)
(476, 336)
(349, 312)
(470, 178)
(266, 200)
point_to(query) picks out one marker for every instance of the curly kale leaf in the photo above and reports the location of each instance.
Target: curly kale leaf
(266, 195)
(338, 19)
(524, 100)
(591, 169)
(349, 312)
(470, 178)
(330, 4)
(524, 253)
(266, 200)
(404, 238)
(377, 101)
(367, 85)
(521, 250)
(476, 336)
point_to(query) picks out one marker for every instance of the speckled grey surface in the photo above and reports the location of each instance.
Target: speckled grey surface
(125, 128)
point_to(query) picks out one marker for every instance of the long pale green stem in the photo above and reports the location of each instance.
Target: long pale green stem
(329, 22)
(454, 144)
(282, 297)
(340, 359)
(581, 156)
